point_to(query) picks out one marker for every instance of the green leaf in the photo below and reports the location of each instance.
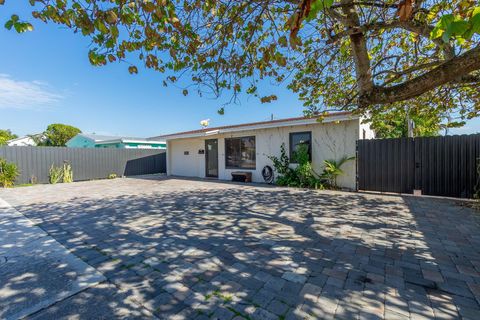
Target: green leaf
(96, 59)
(132, 70)
(282, 41)
(450, 26)
(475, 20)
(327, 3)
(436, 32)
(445, 21)
(317, 6)
(100, 26)
(458, 28)
(9, 24)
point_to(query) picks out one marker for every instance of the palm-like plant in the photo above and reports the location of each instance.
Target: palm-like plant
(333, 169)
(8, 173)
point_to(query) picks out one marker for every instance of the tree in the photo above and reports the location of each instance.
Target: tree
(58, 134)
(6, 135)
(345, 54)
(428, 122)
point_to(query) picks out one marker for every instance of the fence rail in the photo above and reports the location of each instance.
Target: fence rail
(87, 164)
(441, 166)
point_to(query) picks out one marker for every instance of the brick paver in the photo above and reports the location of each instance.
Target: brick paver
(186, 249)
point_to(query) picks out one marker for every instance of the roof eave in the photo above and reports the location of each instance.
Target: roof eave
(329, 119)
(143, 141)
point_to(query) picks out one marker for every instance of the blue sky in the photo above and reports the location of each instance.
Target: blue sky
(45, 77)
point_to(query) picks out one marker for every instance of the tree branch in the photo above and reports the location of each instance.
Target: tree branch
(366, 3)
(359, 49)
(410, 25)
(448, 71)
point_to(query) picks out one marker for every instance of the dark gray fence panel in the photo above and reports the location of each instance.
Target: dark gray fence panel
(87, 164)
(441, 166)
(385, 165)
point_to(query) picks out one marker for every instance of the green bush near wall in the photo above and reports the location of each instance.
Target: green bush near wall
(8, 173)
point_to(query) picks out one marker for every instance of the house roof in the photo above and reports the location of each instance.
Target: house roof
(97, 138)
(30, 136)
(19, 139)
(331, 117)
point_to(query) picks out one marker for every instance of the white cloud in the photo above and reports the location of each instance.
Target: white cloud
(15, 94)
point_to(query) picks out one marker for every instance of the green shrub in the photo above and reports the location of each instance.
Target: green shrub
(333, 170)
(55, 174)
(67, 172)
(8, 173)
(112, 176)
(302, 176)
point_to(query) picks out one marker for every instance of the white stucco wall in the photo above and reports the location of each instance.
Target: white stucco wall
(329, 141)
(366, 129)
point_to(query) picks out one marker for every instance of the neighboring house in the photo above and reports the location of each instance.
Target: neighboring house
(217, 152)
(83, 140)
(22, 141)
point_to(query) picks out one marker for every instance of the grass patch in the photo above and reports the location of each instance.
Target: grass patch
(225, 297)
(23, 185)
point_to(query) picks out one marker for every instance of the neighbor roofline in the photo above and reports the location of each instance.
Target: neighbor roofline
(332, 117)
(84, 136)
(129, 141)
(24, 137)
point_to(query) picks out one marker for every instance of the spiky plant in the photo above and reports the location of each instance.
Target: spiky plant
(8, 173)
(67, 172)
(333, 169)
(55, 174)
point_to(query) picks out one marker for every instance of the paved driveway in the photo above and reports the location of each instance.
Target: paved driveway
(184, 249)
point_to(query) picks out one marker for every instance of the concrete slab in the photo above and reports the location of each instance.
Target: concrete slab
(35, 270)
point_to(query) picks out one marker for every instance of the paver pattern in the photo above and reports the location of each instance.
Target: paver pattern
(186, 249)
(35, 270)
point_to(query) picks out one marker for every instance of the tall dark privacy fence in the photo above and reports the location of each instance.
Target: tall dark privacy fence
(440, 166)
(87, 164)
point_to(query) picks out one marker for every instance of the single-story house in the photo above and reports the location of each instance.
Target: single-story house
(24, 141)
(217, 152)
(83, 140)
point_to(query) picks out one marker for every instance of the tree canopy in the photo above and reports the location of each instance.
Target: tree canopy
(336, 54)
(58, 134)
(6, 135)
(393, 123)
